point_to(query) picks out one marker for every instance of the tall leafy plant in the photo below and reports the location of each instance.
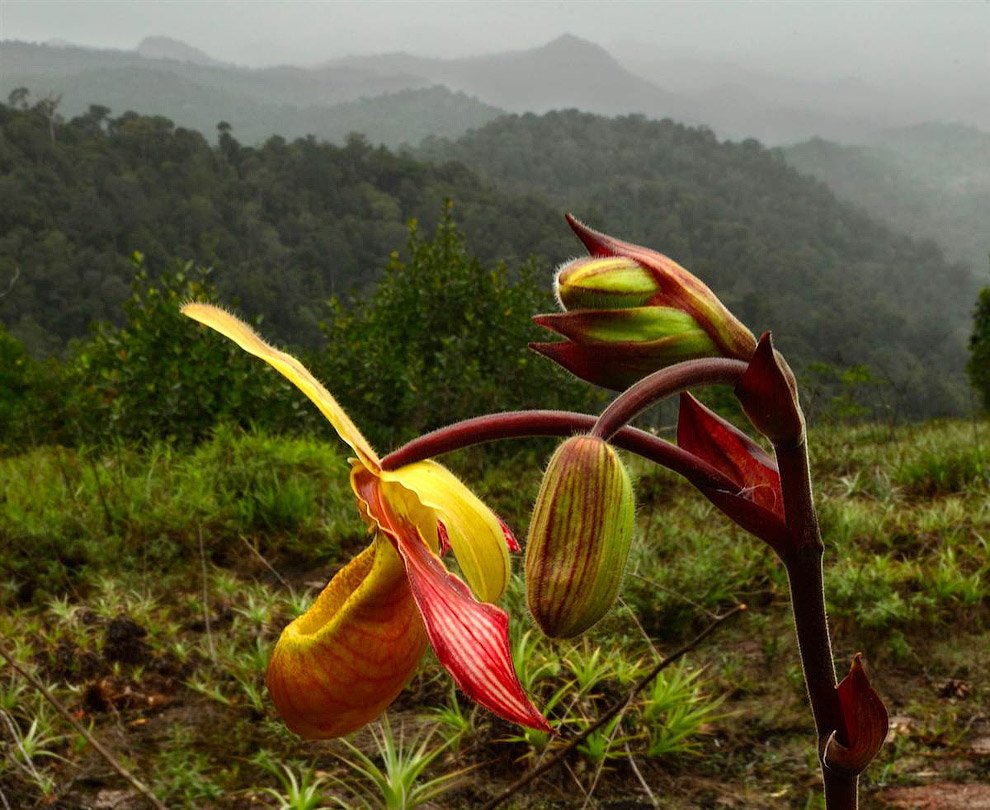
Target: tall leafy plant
(437, 339)
(156, 377)
(978, 366)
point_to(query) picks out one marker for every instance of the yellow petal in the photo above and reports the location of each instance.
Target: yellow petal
(287, 365)
(340, 664)
(474, 532)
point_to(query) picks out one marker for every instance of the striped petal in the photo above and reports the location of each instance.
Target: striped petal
(340, 664)
(470, 638)
(474, 532)
(290, 368)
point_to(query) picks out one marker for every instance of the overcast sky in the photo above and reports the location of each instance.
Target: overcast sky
(938, 40)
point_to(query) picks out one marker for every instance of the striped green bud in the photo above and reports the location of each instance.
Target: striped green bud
(579, 537)
(630, 311)
(610, 282)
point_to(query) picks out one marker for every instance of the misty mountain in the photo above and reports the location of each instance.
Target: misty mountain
(170, 78)
(298, 86)
(292, 102)
(834, 284)
(566, 73)
(740, 100)
(931, 180)
(736, 100)
(168, 48)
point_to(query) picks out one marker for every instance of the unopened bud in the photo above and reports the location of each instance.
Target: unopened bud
(863, 723)
(631, 311)
(768, 394)
(616, 348)
(611, 282)
(579, 537)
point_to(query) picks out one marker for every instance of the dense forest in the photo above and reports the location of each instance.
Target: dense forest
(932, 181)
(288, 225)
(285, 226)
(833, 284)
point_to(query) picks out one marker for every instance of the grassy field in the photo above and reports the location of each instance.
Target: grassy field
(145, 590)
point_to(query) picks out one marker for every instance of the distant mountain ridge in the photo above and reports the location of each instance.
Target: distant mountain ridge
(287, 101)
(748, 100)
(736, 101)
(168, 48)
(566, 72)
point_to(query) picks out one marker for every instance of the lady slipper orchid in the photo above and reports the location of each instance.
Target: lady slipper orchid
(342, 662)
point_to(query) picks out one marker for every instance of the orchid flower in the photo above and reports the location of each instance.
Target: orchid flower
(342, 662)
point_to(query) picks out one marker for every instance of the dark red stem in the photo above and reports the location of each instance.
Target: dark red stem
(803, 560)
(660, 384)
(522, 424)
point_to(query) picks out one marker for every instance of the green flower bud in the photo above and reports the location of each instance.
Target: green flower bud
(579, 537)
(615, 348)
(630, 311)
(612, 282)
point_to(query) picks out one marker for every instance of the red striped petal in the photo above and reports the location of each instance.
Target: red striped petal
(470, 638)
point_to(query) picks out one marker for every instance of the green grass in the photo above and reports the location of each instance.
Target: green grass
(147, 588)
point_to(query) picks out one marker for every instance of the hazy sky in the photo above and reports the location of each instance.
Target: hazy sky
(882, 39)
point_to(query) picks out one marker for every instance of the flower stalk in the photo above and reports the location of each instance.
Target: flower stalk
(634, 319)
(771, 498)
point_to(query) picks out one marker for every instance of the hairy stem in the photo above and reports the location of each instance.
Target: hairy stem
(660, 384)
(523, 424)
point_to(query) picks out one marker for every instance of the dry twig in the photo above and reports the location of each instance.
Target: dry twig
(609, 713)
(112, 761)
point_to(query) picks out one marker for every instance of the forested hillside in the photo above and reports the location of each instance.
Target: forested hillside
(932, 181)
(288, 225)
(285, 225)
(833, 284)
(289, 101)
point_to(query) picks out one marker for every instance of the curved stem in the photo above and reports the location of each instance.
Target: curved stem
(660, 384)
(522, 424)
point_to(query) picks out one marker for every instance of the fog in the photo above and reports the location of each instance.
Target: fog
(934, 43)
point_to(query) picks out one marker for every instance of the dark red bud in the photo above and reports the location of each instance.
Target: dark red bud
(768, 394)
(863, 726)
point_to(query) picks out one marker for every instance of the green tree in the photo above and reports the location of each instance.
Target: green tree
(162, 377)
(15, 389)
(978, 366)
(443, 338)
